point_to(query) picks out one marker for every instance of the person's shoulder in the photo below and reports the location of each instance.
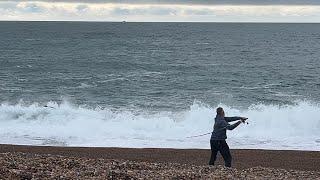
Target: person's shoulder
(219, 118)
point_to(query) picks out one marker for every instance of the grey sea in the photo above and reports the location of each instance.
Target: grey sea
(153, 84)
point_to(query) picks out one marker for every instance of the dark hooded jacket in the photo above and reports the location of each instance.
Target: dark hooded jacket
(221, 125)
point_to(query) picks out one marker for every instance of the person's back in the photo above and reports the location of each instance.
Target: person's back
(219, 135)
(221, 125)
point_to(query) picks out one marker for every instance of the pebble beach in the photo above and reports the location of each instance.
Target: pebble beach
(117, 163)
(27, 166)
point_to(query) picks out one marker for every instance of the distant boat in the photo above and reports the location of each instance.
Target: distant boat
(124, 21)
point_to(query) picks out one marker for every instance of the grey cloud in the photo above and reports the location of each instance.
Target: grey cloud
(32, 8)
(8, 5)
(203, 12)
(162, 11)
(82, 8)
(141, 11)
(12, 6)
(199, 2)
(122, 11)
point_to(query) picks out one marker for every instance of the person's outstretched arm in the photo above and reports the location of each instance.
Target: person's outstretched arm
(230, 119)
(233, 126)
(228, 126)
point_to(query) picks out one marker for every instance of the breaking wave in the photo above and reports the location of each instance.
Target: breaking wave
(270, 126)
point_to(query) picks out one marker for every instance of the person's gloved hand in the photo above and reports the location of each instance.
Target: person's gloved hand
(243, 119)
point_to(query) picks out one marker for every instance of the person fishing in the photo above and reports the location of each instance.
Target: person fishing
(219, 135)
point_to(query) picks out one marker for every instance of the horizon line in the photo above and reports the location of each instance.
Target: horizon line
(124, 21)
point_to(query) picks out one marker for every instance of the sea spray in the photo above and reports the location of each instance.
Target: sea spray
(270, 126)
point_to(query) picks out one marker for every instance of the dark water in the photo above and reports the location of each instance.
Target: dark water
(159, 66)
(154, 84)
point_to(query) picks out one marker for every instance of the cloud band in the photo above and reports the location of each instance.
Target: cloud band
(84, 11)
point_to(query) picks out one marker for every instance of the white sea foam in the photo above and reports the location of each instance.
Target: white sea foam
(270, 126)
(84, 85)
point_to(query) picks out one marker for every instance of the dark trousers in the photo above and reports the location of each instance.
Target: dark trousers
(222, 147)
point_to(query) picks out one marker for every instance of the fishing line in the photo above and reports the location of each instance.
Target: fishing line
(199, 135)
(207, 133)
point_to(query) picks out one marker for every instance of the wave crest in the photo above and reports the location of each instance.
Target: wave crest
(270, 126)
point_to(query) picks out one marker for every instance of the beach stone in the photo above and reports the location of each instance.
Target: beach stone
(26, 166)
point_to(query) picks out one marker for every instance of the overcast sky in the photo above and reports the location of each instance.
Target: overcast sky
(165, 10)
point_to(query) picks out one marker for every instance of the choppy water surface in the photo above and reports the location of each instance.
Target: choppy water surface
(153, 84)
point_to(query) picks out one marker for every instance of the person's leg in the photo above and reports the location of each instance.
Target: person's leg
(225, 152)
(214, 151)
